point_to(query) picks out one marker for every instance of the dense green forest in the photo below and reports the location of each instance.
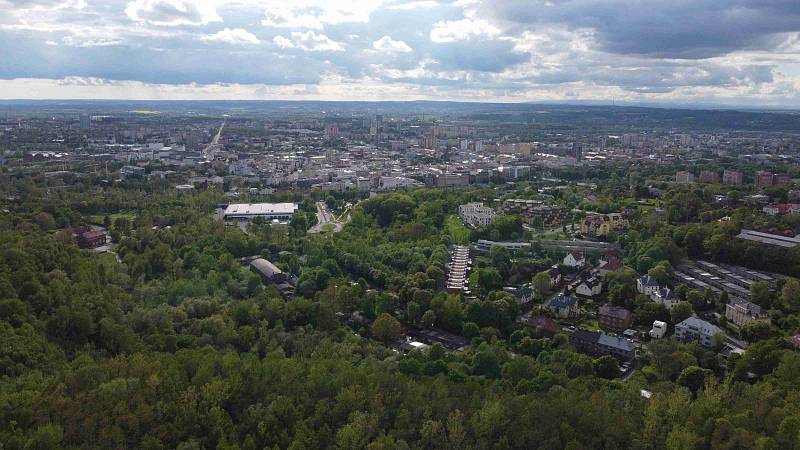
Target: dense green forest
(171, 342)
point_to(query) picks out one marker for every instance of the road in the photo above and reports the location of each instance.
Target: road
(325, 217)
(208, 152)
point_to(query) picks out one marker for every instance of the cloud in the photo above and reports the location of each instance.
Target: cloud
(173, 12)
(309, 41)
(282, 42)
(414, 4)
(459, 30)
(388, 45)
(660, 29)
(232, 36)
(745, 50)
(74, 42)
(315, 14)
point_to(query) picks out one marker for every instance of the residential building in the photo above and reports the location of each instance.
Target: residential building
(659, 329)
(555, 276)
(697, 330)
(476, 214)
(132, 170)
(741, 312)
(709, 176)
(91, 238)
(563, 306)
(574, 259)
(610, 265)
(458, 270)
(611, 317)
(782, 208)
(647, 285)
(765, 179)
(602, 224)
(600, 344)
(732, 177)
(589, 287)
(684, 177)
(666, 297)
(794, 341)
(548, 326)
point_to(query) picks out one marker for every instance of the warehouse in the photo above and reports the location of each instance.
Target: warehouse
(274, 212)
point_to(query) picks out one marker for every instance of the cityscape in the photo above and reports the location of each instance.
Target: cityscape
(396, 225)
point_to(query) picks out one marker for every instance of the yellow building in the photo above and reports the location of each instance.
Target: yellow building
(602, 224)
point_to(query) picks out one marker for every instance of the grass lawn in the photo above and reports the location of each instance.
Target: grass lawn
(98, 218)
(459, 233)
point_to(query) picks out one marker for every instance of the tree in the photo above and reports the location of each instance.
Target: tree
(756, 331)
(386, 328)
(681, 312)
(428, 319)
(696, 299)
(693, 378)
(790, 294)
(542, 283)
(471, 330)
(606, 367)
(485, 363)
(759, 292)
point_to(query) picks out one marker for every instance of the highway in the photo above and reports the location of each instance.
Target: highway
(208, 152)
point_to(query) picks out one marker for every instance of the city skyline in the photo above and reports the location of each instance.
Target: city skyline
(707, 52)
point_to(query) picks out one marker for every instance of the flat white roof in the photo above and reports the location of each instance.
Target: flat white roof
(259, 209)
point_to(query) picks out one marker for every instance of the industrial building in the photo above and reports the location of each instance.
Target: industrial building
(273, 212)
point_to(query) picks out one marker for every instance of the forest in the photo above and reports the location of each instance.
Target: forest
(170, 342)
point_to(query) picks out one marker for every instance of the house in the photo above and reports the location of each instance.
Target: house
(794, 341)
(666, 297)
(589, 287)
(548, 326)
(647, 285)
(615, 318)
(600, 344)
(574, 259)
(563, 306)
(741, 312)
(555, 276)
(697, 330)
(91, 238)
(659, 329)
(610, 265)
(523, 294)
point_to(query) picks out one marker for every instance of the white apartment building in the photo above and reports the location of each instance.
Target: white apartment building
(476, 214)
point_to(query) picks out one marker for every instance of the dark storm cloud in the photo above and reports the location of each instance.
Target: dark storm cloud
(662, 28)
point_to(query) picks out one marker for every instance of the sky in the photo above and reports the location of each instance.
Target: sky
(731, 52)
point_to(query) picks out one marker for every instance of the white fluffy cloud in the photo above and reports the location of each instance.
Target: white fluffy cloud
(232, 36)
(444, 49)
(460, 30)
(173, 12)
(388, 45)
(309, 41)
(315, 14)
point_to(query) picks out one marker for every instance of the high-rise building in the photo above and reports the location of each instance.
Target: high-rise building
(764, 179)
(577, 151)
(709, 176)
(732, 177)
(331, 131)
(86, 121)
(684, 177)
